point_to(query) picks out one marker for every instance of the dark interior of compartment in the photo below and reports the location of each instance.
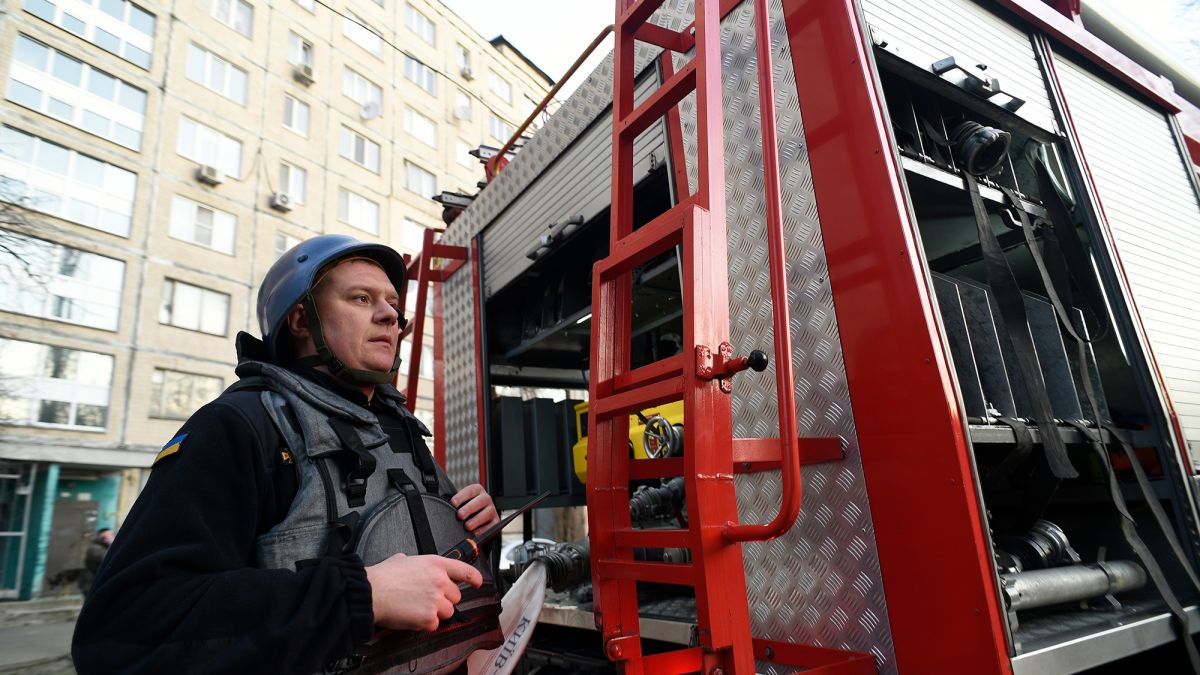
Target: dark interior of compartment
(1018, 492)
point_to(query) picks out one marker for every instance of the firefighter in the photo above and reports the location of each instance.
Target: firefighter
(225, 564)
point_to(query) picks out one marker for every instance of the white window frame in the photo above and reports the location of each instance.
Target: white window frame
(71, 285)
(356, 29)
(420, 25)
(213, 67)
(300, 50)
(237, 14)
(169, 314)
(418, 73)
(500, 87)
(464, 107)
(358, 211)
(158, 396)
(356, 87)
(118, 114)
(462, 57)
(359, 149)
(90, 22)
(463, 155)
(418, 180)
(205, 139)
(297, 115)
(499, 129)
(284, 243)
(28, 385)
(62, 193)
(293, 180)
(420, 127)
(186, 225)
(310, 5)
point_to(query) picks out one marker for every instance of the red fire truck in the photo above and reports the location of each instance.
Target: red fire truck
(922, 276)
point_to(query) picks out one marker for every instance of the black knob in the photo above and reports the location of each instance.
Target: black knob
(757, 360)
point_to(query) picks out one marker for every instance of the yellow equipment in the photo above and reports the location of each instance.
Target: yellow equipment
(671, 412)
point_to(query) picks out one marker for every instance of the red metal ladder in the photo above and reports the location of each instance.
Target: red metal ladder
(699, 375)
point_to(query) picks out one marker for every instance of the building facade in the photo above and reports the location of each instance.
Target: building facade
(155, 159)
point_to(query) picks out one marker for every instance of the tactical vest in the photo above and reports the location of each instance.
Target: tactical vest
(356, 493)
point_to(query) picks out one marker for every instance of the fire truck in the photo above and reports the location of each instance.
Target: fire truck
(872, 325)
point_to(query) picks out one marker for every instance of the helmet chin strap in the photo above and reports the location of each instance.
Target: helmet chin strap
(325, 357)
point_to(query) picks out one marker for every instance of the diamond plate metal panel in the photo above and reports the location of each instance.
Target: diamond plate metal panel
(820, 584)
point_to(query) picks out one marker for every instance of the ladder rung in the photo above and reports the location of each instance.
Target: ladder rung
(665, 38)
(649, 240)
(661, 538)
(646, 469)
(637, 13)
(679, 85)
(633, 400)
(678, 662)
(662, 369)
(656, 572)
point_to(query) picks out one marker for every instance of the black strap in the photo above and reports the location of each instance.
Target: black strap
(1015, 457)
(1129, 529)
(355, 480)
(1064, 239)
(1012, 313)
(426, 545)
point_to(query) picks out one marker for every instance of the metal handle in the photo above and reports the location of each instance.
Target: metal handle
(789, 507)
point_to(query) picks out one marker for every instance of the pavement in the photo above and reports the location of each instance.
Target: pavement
(35, 636)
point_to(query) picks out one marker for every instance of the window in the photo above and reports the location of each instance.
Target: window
(420, 24)
(359, 150)
(419, 180)
(499, 86)
(294, 181)
(462, 58)
(50, 82)
(426, 371)
(237, 14)
(284, 243)
(358, 211)
(176, 395)
(310, 5)
(216, 73)
(356, 29)
(462, 105)
(209, 146)
(50, 178)
(194, 308)
(462, 154)
(359, 88)
(202, 225)
(420, 74)
(499, 129)
(300, 51)
(412, 235)
(295, 115)
(61, 282)
(55, 386)
(116, 26)
(528, 105)
(420, 127)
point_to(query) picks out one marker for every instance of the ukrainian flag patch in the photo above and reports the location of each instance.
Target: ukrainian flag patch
(170, 448)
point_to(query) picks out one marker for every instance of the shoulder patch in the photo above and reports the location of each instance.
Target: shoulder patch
(173, 446)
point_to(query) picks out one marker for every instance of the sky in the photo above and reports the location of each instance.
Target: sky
(553, 34)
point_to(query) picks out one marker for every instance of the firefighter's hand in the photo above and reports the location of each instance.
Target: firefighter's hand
(475, 508)
(417, 592)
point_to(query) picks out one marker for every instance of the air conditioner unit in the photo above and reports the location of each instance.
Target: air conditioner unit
(209, 175)
(303, 74)
(370, 110)
(281, 201)
(467, 73)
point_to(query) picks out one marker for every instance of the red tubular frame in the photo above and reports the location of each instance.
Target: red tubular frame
(785, 382)
(911, 437)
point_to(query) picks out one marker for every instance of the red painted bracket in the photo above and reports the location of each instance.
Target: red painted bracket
(721, 366)
(751, 455)
(815, 660)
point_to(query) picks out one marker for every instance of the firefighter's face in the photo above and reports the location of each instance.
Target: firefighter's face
(359, 310)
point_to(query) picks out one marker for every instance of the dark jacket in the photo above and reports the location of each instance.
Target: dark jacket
(179, 591)
(92, 558)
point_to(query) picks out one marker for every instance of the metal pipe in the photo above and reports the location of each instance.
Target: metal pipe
(785, 383)
(1058, 585)
(494, 164)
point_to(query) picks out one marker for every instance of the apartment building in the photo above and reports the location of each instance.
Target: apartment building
(155, 158)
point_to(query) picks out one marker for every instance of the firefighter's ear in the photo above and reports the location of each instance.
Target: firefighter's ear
(297, 322)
